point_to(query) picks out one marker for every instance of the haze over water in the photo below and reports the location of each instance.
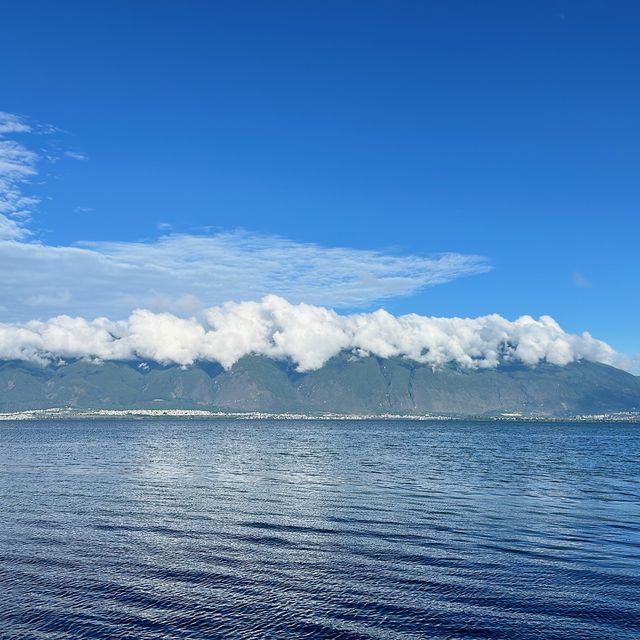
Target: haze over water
(266, 529)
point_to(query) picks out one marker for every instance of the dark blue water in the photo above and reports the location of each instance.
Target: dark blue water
(231, 529)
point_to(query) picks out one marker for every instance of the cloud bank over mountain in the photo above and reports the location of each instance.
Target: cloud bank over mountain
(304, 334)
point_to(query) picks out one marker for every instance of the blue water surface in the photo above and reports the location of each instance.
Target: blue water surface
(317, 529)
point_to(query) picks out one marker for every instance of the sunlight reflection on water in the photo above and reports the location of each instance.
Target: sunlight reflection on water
(206, 529)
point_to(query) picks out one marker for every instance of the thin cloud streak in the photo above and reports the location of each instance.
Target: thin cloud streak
(182, 273)
(187, 273)
(580, 281)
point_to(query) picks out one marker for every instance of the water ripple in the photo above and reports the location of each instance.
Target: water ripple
(389, 530)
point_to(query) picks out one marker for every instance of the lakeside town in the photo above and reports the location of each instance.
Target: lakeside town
(69, 413)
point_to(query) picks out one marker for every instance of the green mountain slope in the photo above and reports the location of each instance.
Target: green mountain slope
(346, 384)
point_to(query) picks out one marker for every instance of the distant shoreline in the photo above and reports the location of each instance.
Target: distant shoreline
(203, 414)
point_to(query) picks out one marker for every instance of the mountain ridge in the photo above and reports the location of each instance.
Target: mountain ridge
(345, 384)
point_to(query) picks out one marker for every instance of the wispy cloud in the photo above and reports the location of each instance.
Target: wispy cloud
(580, 281)
(12, 123)
(76, 155)
(183, 273)
(18, 167)
(56, 300)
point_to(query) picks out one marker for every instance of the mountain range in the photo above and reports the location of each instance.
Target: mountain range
(345, 384)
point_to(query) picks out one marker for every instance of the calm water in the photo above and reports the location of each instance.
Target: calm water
(228, 529)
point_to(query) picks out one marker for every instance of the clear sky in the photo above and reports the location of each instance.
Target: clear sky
(253, 136)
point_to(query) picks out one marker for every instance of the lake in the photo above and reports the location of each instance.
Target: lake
(318, 529)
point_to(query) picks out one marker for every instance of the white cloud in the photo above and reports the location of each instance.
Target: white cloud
(183, 273)
(18, 167)
(305, 334)
(186, 273)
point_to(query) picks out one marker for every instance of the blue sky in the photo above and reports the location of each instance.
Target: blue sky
(255, 135)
